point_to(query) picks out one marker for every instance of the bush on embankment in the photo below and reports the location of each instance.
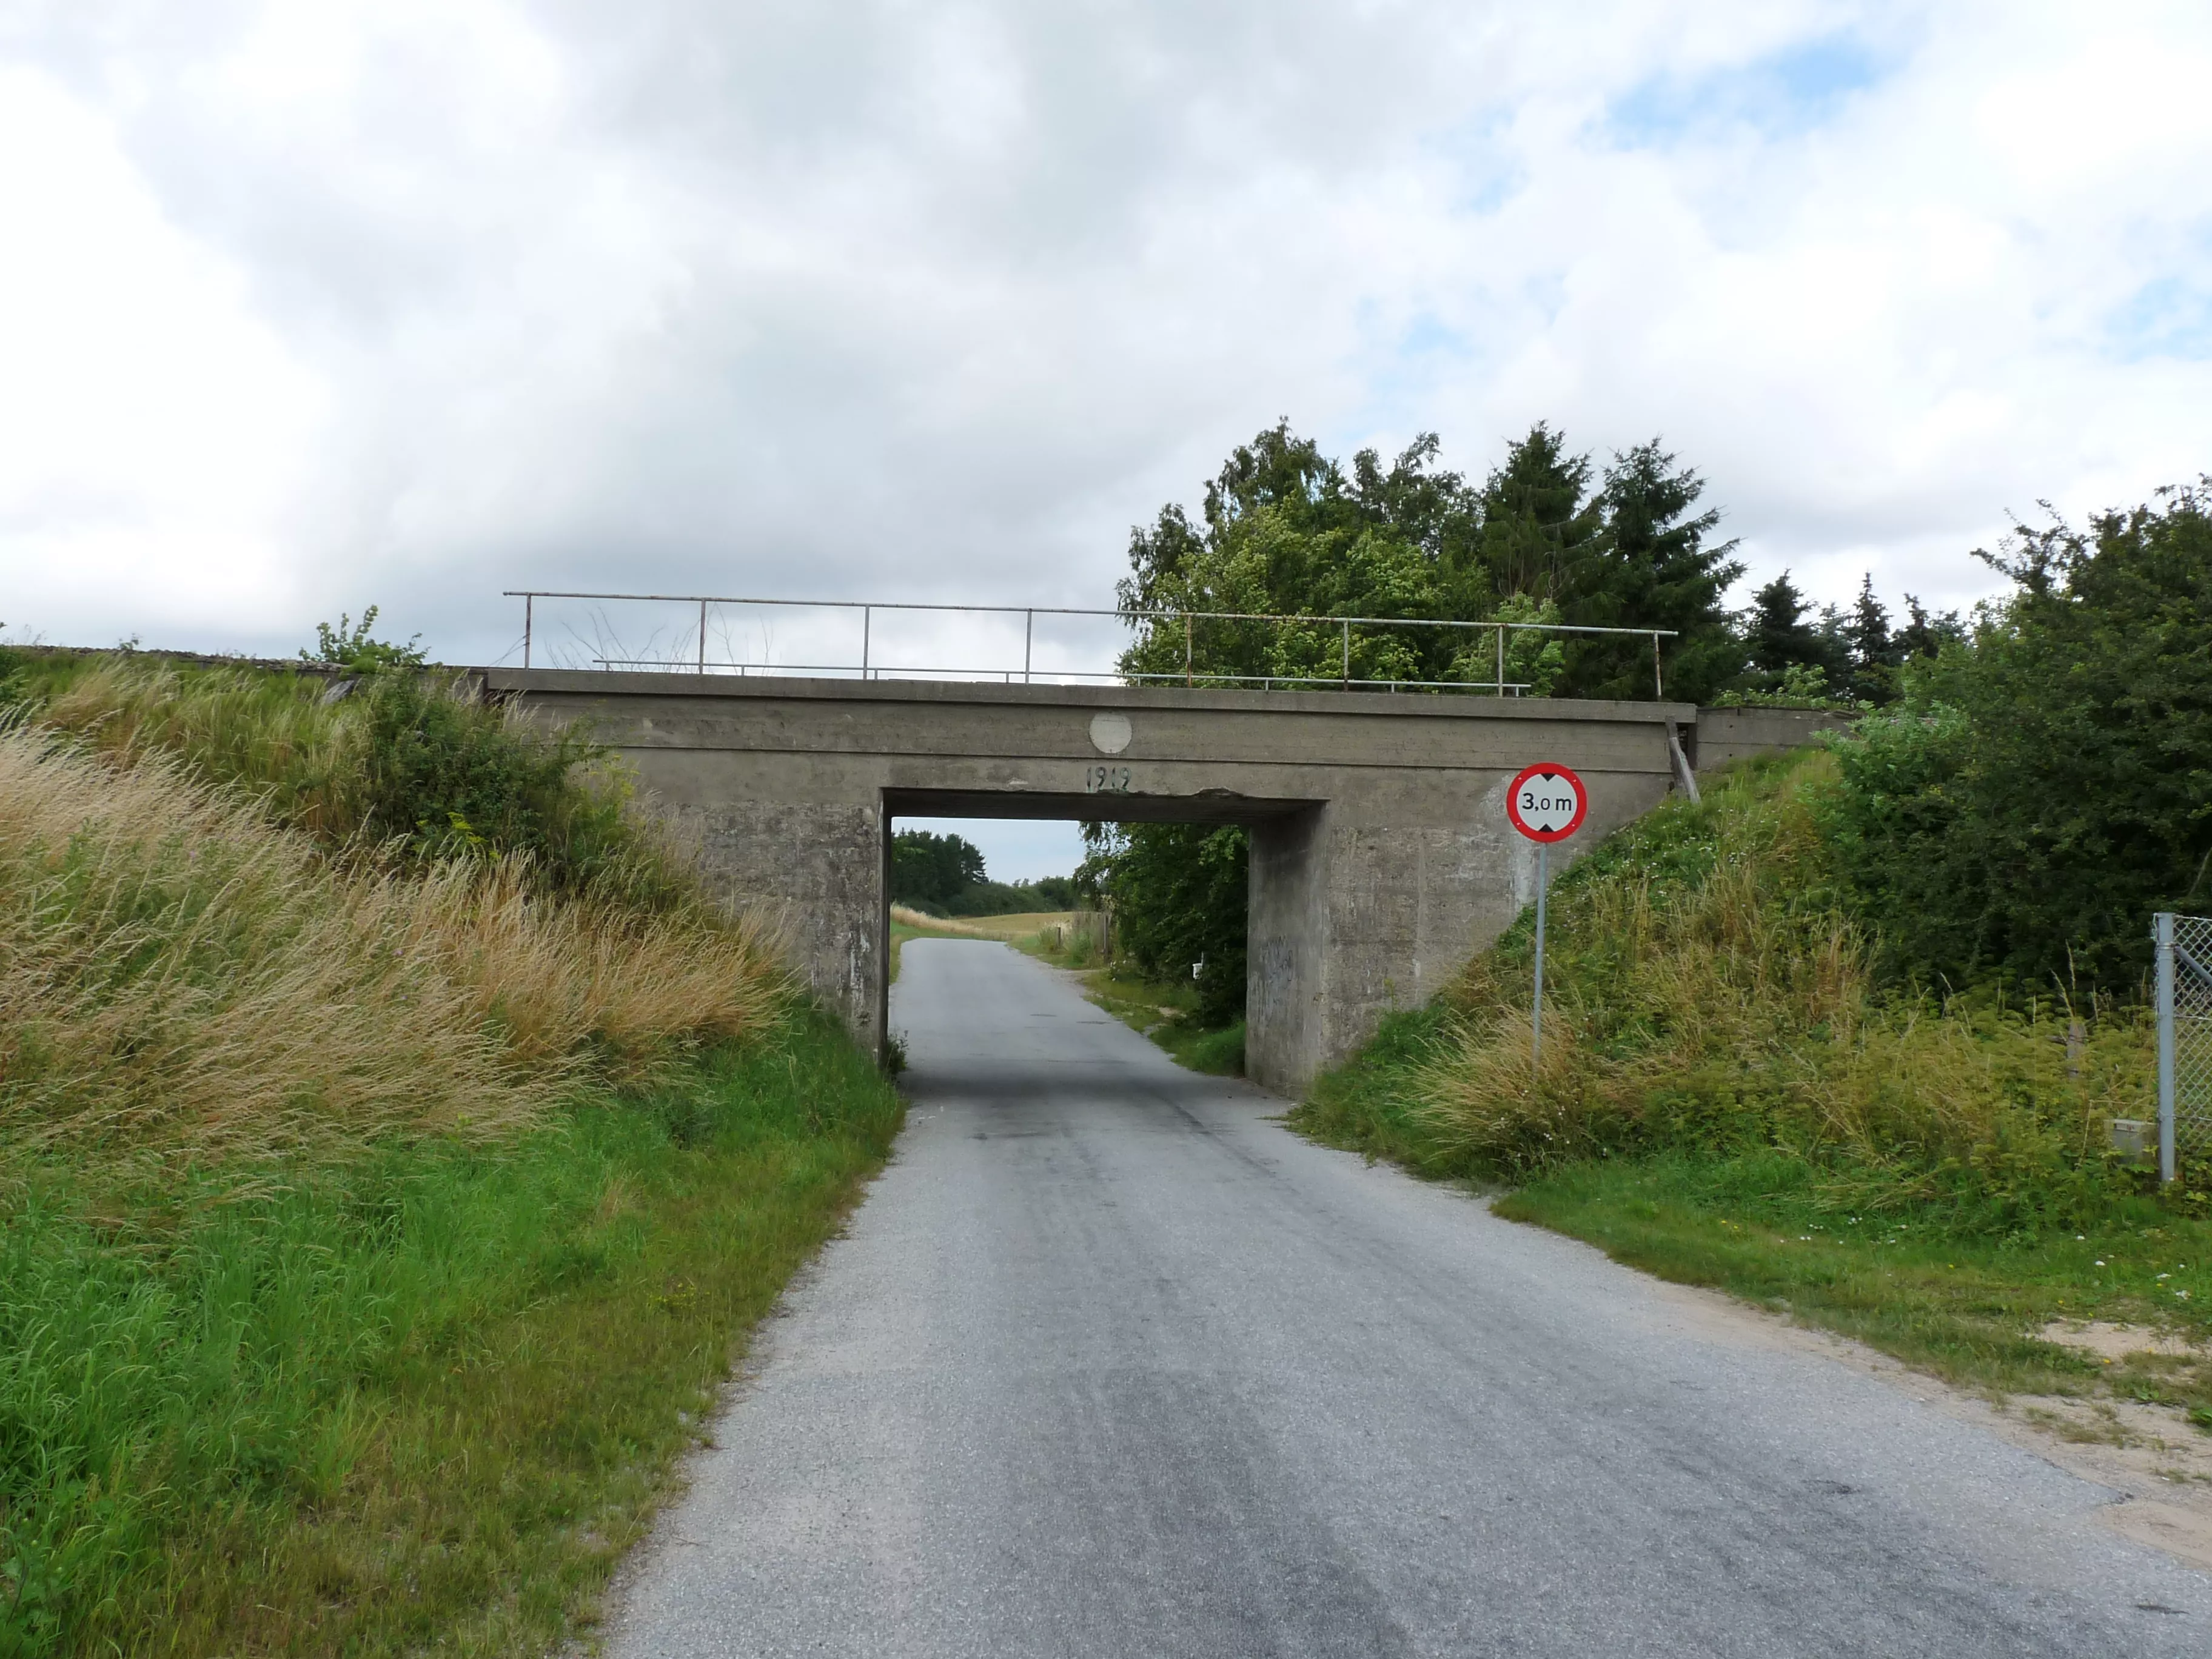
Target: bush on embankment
(394, 1144)
(395, 764)
(1708, 991)
(2045, 784)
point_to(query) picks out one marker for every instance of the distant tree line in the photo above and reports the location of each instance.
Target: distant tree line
(944, 875)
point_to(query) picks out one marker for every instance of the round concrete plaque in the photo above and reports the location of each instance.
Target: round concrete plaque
(1109, 733)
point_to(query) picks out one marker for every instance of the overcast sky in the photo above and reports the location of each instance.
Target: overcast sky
(311, 305)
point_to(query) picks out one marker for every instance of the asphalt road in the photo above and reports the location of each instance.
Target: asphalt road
(1110, 1364)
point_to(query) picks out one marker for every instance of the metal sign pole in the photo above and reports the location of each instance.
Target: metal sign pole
(2162, 932)
(1546, 803)
(1536, 1008)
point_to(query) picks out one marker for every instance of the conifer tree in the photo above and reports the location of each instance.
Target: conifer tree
(1778, 635)
(1874, 658)
(1538, 522)
(1653, 567)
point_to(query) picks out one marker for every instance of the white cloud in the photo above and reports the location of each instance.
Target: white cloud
(413, 303)
(142, 401)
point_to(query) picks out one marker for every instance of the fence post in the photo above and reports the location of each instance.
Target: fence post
(2162, 932)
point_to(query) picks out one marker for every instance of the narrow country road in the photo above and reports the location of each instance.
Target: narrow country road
(1111, 1364)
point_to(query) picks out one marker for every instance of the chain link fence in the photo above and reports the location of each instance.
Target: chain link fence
(2184, 1036)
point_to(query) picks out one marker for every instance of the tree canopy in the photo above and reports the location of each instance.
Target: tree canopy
(929, 868)
(1286, 530)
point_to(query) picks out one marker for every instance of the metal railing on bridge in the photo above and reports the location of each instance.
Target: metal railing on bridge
(604, 651)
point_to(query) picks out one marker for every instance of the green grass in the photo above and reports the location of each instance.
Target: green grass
(420, 1399)
(1963, 1307)
(900, 934)
(1368, 1104)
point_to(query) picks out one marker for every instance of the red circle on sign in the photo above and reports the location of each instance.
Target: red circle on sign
(1538, 798)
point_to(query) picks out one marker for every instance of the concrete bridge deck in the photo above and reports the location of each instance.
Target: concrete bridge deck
(1381, 855)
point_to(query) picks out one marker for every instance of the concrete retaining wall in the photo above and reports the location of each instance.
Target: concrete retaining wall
(1730, 734)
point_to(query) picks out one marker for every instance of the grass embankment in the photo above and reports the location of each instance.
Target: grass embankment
(379, 1211)
(1729, 1097)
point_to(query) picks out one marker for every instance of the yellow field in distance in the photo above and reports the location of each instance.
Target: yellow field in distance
(999, 928)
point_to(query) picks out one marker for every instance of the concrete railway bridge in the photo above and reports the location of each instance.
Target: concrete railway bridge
(1381, 859)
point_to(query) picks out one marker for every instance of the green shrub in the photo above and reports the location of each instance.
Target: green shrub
(2043, 788)
(443, 776)
(1179, 897)
(399, 763)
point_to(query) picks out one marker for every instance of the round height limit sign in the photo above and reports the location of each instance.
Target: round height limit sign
(1545, 803)
(1548, 802)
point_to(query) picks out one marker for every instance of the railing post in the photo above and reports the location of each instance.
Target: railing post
(1029, 640)
(528, 600)
(1501, 660)
(1347, 656)
(1658, 683)
(867, 621)
(1186, 678)
(702, 637)
(2163, 932)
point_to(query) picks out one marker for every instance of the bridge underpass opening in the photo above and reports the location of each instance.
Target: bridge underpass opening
(1261, 820)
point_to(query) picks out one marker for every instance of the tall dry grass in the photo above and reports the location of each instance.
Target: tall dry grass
(274, 733)
(178, 975)
(1706, 991)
